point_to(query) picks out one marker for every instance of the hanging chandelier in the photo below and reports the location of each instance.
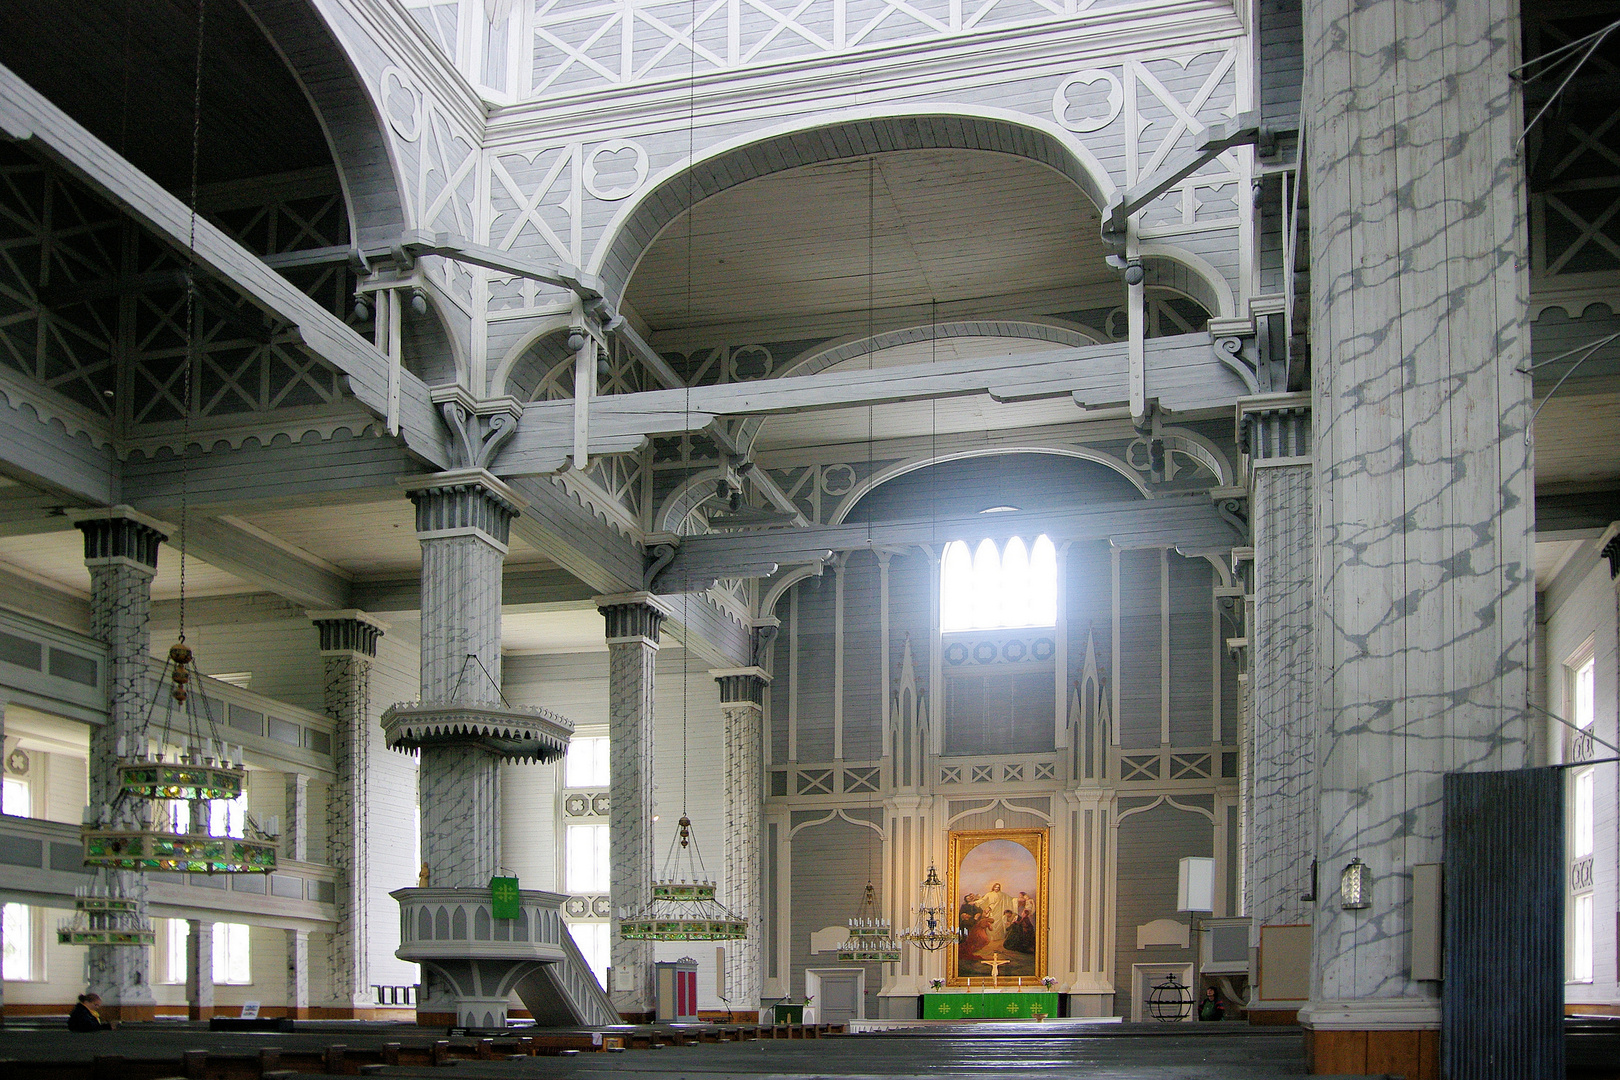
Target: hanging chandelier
(104, 915)
(683, 905)
(871, 939)
(934, 928)
(145, 827)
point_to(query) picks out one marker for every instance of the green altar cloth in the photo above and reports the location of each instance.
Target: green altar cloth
(989, 1005)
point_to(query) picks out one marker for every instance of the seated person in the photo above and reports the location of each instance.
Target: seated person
(86, 1015)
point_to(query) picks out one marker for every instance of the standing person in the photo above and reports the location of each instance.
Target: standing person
(1212, 1007)
(86, 1015)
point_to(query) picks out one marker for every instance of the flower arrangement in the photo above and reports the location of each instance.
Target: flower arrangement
(1049, 982)
(937, 984)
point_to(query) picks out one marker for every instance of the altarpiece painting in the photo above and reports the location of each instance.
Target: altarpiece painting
(997, 880)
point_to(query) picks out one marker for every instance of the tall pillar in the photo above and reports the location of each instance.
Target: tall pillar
(348, 647)
(742, 705)
(298, 974)
(199, 969)
(633, 621)
(1425, 593)
(121, 552)
(1281, 829)
(295, 829)
(463, 522)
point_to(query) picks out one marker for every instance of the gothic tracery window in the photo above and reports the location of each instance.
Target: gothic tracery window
(998, 586)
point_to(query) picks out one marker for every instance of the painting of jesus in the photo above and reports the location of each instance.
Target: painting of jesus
(998, 883)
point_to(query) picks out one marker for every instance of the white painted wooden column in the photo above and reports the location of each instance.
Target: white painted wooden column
(297, 974)
(121, 553)
(633, 621)
(348, 641)
(742, 698)
(295, 817)
(1424, 479)
(199, 969)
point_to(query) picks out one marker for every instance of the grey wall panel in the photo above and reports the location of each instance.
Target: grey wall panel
(1192, 650)
(1139, 675)
(1282, 64)
(863, 691)
(1151, 845)
(816, 669)
(1502, 1009)
(832, 863)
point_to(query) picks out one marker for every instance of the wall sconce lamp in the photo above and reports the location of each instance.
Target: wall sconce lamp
(1355, 886)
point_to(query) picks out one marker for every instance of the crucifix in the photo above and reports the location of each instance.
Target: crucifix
(994, 964)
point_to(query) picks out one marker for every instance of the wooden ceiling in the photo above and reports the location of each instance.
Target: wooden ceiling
(123, 69)
(899, 229)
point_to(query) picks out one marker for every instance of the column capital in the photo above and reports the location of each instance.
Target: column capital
(633, 616)
(1275, 429)
(741, 686)
(463, 502)
(120, 534)
(348, 631)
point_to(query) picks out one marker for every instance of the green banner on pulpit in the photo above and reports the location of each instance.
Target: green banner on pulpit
(505, 903)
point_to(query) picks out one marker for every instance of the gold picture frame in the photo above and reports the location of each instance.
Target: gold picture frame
(1016, 860)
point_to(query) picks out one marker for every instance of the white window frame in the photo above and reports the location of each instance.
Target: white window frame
(1580, 709)
(11, 785)
(32, 947)
(229, 936)
(173, 943)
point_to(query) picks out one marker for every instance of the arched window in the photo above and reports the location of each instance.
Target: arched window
(992, 587)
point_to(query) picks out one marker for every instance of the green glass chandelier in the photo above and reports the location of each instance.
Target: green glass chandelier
(103, 915)
(683, 905)
(144, 829)
(871, 939)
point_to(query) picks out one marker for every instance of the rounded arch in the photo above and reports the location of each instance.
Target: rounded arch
(882, 476)
(528, 365)
(833, 137)
(428, 349)
(767, 604)
(830, 354)
(1172, 267)
(348, 115)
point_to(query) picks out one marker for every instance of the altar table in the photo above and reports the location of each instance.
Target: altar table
(988, 1005)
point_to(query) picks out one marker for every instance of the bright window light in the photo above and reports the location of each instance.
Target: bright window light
(1583, 814)
(225, 816)
(586, 763)
(587, 857)
(1584, 713)
(994, 587)
(19, 962)
(1580, 961)
(232, 964)
(17, 803)
(174, 950)
(595, 943)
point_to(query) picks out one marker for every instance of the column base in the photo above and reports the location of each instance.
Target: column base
(128, 1014)
(1399, 1036)
(199, 1012)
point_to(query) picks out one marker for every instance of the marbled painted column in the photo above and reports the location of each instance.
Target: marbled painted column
(199, 969)
(298, 974)
(1281, 829)
(463, 521)
(121, 552)
(742, 704)
(348, 647)
(295, 827)
(1423, 496)
(633, 621)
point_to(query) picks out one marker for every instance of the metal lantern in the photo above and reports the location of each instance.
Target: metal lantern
(1170, 1000)
(934, 928)
(683, 906)
(1355, 886)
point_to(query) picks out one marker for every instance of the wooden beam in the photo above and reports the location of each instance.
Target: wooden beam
(235, 550)
(1182, 373)
(1190, 524)
(43, 454)
(27, 117)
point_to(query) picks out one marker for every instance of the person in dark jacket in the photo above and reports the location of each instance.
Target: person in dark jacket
(1212, 1007)
(86, 1015)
